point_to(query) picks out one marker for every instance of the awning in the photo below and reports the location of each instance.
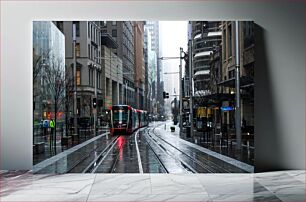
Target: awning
(208, 34)
(205, 53)
(202, 72)
(244, 82)
(214, 34)
(215, 99)
(197, 36)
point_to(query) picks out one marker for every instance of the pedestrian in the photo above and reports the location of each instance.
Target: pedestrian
(52, 125)
(45, 127)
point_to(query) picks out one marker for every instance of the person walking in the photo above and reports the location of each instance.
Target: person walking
(52, 126)
(45, 127)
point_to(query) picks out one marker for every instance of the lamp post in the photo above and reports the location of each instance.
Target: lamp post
(75, 123)
(237, 85)
(180, 83)
(190, 88)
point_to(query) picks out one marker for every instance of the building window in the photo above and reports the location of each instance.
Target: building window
(230, 40)
(224, 44)
(114, 23)
(114, 33)
(88, 50)
(78, 77)
(99, 59)
(77, 50)
(88, 29)
(231, 74)
(89, 77)
(77, 26)
(92, 52)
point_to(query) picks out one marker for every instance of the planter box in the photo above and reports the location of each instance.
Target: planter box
(39, 148)
(66, 140)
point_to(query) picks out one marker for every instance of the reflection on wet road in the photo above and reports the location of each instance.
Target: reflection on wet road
(156, 150)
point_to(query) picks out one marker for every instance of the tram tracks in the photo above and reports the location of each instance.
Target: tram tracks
(79, 164)
(194, 162)
(96, 163)
(183, 165)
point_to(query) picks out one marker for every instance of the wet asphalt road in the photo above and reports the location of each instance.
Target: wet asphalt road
(158, 153)
(149, 150)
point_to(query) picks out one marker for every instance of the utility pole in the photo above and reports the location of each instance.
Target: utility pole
(75, 123)
(181, 91)
(190, 88)
(94, 109)
(238, 108)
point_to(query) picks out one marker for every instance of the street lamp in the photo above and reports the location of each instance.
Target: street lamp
(75, 123)
(180, 81)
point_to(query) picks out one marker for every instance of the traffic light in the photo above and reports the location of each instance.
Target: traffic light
(165, 95)
(94, 102)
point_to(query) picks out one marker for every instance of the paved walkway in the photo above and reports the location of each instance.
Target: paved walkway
(272, 186)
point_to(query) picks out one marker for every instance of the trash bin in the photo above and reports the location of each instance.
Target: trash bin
(172, 128)
(188, 131)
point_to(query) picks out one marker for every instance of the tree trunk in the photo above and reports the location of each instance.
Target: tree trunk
(55, 124)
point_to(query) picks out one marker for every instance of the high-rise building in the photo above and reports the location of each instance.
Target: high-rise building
(88, 63)
(49, 79)
(150, 72)
(139, 64)
(112, 78)
(246, 69)
(153, 28)
(123, 34)
(206, 36)
(214, 68)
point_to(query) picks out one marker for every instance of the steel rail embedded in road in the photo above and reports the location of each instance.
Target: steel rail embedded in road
(157, 157)
(184, 165)
(207, 167)
(93, 165)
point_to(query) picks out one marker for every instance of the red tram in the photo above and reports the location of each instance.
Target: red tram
(125, 119)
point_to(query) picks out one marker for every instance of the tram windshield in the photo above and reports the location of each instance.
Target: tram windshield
(120, 115)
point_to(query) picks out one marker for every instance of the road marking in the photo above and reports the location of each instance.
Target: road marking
(138, 154)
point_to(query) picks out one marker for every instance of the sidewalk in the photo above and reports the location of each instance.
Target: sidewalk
(246, 155)
(65, 161)
(48, 151)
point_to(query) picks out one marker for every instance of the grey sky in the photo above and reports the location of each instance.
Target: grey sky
(173, 35)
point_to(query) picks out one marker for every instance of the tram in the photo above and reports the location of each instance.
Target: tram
(125, 119)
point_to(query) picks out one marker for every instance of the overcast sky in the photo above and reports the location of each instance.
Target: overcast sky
(173, 35)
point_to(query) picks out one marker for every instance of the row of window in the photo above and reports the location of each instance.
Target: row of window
(93, 33)
(90, 77)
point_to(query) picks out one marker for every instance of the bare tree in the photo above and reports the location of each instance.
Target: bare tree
(69, 82)
(56, 87)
